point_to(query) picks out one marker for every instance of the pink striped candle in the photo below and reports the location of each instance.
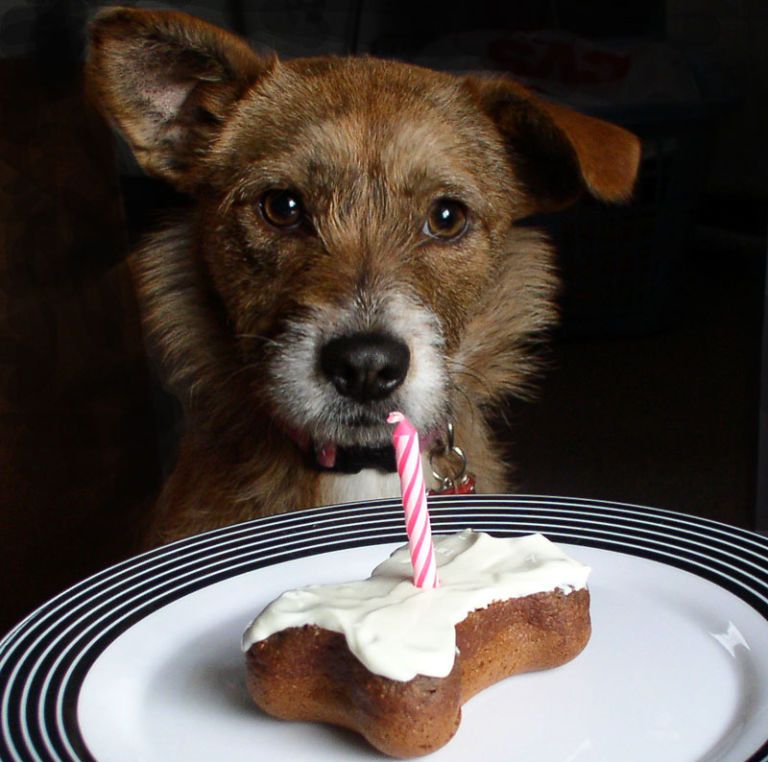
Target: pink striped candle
(408, 457)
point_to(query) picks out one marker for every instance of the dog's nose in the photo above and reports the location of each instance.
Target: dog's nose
(365, 366)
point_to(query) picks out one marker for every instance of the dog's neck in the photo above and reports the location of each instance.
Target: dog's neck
(336, 488)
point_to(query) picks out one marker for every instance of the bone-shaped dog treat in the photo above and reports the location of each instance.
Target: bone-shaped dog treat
(396, 663)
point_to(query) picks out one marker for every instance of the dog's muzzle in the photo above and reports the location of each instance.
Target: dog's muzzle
(365, 368)
(336, 372)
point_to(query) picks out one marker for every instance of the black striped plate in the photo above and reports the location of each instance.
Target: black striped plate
(48, 662)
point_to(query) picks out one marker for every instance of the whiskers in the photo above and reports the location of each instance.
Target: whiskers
(457, 368)
(247, 364)
(248, 367)
(266, 341)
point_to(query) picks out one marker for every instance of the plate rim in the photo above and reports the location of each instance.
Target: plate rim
(44, 698)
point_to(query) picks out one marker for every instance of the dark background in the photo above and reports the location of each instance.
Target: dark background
(652, 393)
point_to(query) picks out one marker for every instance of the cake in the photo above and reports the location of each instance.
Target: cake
(395, 662)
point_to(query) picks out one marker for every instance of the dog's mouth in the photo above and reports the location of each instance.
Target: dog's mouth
(328, 455)
(366, 420)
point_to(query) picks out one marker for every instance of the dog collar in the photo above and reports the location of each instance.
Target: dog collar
(329, 457)
(351, 460)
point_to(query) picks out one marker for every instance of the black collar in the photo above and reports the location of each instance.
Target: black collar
(352, 460)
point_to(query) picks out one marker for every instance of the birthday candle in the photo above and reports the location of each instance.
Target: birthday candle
(408, 458)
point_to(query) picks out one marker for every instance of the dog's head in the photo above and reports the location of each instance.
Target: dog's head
(353, 248)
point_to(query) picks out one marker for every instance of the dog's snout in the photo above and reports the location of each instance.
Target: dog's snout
(365, 366)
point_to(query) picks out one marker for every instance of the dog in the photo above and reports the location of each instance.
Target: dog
(354, 248)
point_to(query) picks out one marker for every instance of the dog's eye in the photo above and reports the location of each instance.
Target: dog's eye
(281, 208)
(447, 219)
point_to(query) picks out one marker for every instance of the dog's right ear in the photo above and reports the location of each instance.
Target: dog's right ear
(168, 81)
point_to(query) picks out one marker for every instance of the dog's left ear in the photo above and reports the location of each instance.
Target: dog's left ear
(557, 153)
(168, 81)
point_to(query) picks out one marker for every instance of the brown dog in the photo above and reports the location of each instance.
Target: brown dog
(352, 250)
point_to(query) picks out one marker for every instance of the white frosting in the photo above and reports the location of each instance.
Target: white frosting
(398, 630)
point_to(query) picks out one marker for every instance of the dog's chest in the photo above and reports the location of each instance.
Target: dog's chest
(369, 484)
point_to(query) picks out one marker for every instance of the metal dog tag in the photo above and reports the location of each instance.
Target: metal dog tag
(458, 483)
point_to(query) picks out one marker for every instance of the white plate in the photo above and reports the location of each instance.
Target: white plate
(143, 661)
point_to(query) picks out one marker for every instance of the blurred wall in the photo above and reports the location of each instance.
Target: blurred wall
(731, 36)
